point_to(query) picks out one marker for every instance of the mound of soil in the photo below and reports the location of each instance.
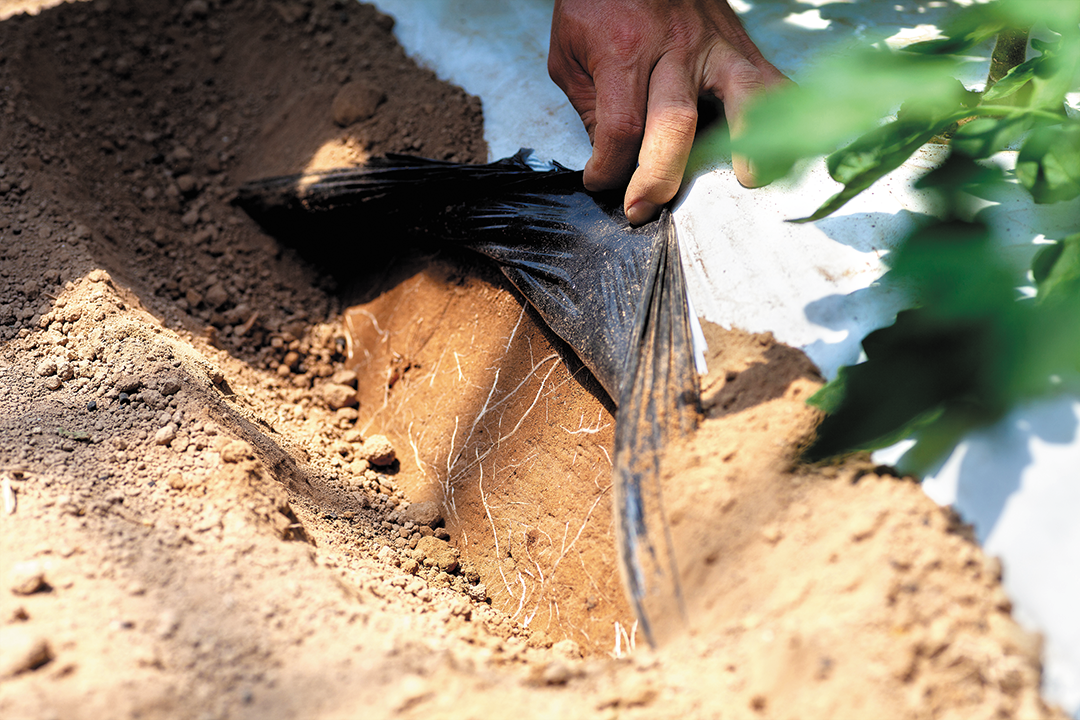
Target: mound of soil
(231, 486)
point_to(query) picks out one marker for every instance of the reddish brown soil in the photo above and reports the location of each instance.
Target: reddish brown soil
(198, 519)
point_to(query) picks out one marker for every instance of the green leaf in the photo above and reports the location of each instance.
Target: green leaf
(954, 272)
(970, 350)
(1056, 270)
(830, 396)
(920, 366)
(842, 99)
(1015, 79)
(942, 366)
(966, 355)
(1058, 15)
(966, 30)
(1043, 263)
(879, 152)
(864, 170)
(981, 21)
(1049, 163)
(983, 137)
(869, 152)
(962, 176)
(1055, 73)
(935, 439)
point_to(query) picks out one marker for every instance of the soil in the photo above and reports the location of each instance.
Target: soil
(235, 484)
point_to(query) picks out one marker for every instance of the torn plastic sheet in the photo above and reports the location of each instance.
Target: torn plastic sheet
(614, 293)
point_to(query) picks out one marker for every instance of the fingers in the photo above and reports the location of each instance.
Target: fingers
(737, 81)
(671, 120)
(566, 71)
(633, 70)
(669, 136)
(621, 98)
(599, 57)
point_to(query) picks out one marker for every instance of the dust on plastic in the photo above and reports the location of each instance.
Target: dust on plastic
(614, 293)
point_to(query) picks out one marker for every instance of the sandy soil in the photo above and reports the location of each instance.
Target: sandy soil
(237, 485)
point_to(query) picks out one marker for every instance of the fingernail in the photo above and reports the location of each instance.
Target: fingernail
(752, 172)
(641, 212)
(746, 172)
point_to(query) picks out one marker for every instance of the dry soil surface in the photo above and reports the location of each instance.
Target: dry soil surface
(233, 487)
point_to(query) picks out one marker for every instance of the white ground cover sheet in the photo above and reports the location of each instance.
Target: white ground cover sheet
(814, 286)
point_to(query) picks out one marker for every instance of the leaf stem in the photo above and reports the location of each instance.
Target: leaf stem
(1009, 111)
(1010, 50)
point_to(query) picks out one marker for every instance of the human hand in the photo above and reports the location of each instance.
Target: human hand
(634, 69)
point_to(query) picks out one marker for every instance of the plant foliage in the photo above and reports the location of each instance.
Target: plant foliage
(972, 348)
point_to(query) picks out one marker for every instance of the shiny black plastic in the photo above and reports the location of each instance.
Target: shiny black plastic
(613, 292)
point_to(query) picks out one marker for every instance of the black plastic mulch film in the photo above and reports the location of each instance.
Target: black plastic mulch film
(613, 292)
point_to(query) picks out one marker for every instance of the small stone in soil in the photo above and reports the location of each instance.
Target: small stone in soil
(167, 623)
(165, 435)
(216, 295)
(26, 578)
(153, 398)
(24, 650)
(127, 384)
(236, 451)
(438, 553)
(378, 451)
(46, 367)
(427, 513)
(356, 101)
(566, 649)
(338, 396)
(344, 377)
(556, 673)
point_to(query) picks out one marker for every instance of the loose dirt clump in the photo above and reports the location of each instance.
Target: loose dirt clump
(230, 488)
